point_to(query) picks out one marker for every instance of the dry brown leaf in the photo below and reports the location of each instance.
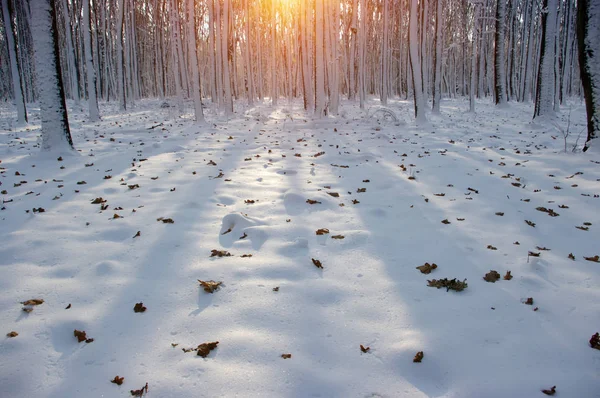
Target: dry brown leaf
(492, 247)
(35, 301)
(139, 307)
(533, 254)
(439, 194)
(338, 237)
(334, 194)
(80, 334)
(361, 190)
(210, 286)
(571, 256)
(312, 202)
(595, 341)
(140, 392)
(137, 234)
(118, 380)
(249, 201)
(205, 348)
(317, 263)
(15, 334)
(529, 301)
(595, 259)
(286, 356)
(491, 276)
(68, 306)
(246, 255)
(508, 276)
(499, 213)
(355, 202)
(276, 289)
(166, 220)
(530, 223)
(219, 253)
(542, 248)
(211, 163)
(226, 232)
(134, 186)
(583, 228)
(445, 221)
(364, 349)
(418, 357)
(551, 391)
(322, 231)
(427, 268)
(98, 201)
(27, 309)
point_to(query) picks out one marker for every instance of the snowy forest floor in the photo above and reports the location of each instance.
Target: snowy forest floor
(503, 186)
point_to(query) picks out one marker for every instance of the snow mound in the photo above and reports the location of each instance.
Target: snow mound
(236, 225)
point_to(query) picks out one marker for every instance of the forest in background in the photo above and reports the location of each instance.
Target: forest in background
(319, 50)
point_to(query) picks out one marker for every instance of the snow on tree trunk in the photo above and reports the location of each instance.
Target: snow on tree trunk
(476, 28)
(194, 57)
(56, 135)
(437, 81)
(14, 65)
(274, 93)
(361, 55)
(384, 55)
(89, 64)
(249, 78)
(588, 34)
(319, 64)
(71, 66)
(120, 77)
(499, 71)
(174, 53)
(227, 100)
(544, 97)
(415, 63)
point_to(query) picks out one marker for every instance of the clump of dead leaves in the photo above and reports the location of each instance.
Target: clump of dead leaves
(551, 391)
(219, 253)
(81, 336)
(139, 307)
(449, 284)
(492, 276)
(166, 220)
(29, 304)
(322, 231)
(427, 268)
(210, 286)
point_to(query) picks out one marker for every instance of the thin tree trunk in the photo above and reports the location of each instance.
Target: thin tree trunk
(199, 115)
(14, 64)
(94, 112)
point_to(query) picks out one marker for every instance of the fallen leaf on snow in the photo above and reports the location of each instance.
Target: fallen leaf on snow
(529, 301)
(418, 357)
(210, 286)
(312, 202)
(117, 380)
(337, 237)
(286, 356)
(36, 301)
(551, 391)
(317, 263)
(364, 349)
(508, 276)
(595, 341)
(219, 253)
(492, 276)
(427, 268)
(15, 334)
(205, 348)
(571, 256)
(140, 392)
(139, 307)
(445, 221)
(166, 220)
(595, 259)
(322, 231)
(449, 284)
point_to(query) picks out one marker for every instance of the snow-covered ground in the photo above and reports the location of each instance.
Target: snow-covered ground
(485, 174)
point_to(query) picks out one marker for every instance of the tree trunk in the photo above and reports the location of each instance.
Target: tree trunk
(14, 64)
(437, 86)
(544, 98)
(94, 112)
(199, 115)
(56, 135)
(415, 63)
(120, 75)
(588, 34)
(499, 68)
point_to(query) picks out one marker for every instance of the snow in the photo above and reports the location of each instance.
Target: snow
(481, 342)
